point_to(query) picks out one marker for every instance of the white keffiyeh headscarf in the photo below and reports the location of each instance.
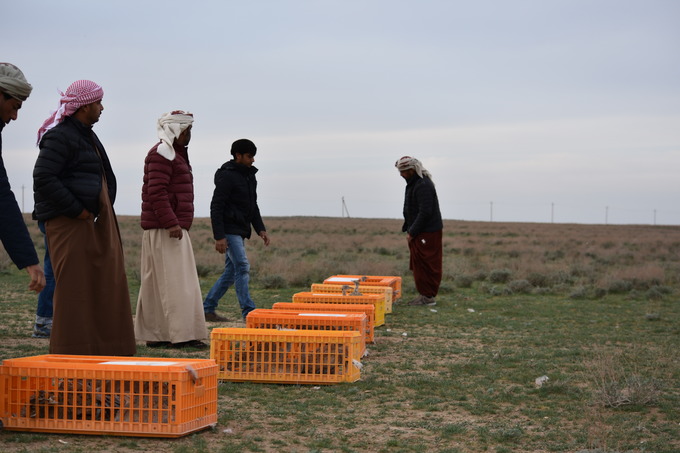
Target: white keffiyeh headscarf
(169, 127)
(408, 163)
(13, 82)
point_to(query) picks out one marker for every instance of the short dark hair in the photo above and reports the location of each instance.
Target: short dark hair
(243, 146)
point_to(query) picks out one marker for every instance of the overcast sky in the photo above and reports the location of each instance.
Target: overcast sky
(522, 110)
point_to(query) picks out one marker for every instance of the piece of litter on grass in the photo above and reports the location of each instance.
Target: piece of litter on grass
(404, 334)
(433, 310)
(388, 330)
(228, 431)
(63, 442)
(541, 380)
(471, 310)
(316, 388)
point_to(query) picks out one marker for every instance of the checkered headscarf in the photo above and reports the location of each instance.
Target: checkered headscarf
(78, 94)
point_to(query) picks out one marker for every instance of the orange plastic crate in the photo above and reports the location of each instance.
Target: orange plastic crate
(392, 281)
(367, 309)
(377, 300)
(357, 289)
(262, 318)
(286, 356)
(108, 395)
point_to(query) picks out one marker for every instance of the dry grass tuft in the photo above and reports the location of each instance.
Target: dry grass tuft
(619, 378)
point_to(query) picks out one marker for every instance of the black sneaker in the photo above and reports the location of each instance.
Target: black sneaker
(193, 344)
(214, 317)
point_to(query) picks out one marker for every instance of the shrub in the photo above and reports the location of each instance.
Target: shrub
(615, 384)
(580, 292)
(655, 293)
(463, 281)
(496, 290)
(520, 286)
(620, 286)
(499, 275)
(480, 275)
(273, 282)
(204, 271)
(538, 280)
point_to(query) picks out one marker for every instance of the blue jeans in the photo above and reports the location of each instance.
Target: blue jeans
(45, 297)
(237, 273)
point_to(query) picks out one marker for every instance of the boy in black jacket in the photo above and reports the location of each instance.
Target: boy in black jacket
(233, 210)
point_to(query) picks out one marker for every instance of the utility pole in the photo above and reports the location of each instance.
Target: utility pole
(344, 208)
(552, 212)
(606, 215)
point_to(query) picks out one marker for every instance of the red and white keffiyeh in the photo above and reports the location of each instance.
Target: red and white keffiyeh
(78, 94)
(169, 127)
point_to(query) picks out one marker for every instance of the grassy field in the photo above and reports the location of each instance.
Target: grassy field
(592, 307)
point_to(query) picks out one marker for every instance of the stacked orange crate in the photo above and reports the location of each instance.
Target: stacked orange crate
(357, 290)
(108, 395)
(377, 300)
(392, 281)
(278, 319)
(368, 310)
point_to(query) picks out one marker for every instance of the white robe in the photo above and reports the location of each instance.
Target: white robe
(170, 305)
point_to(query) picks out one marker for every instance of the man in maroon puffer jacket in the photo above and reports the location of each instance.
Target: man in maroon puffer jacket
(170, 305)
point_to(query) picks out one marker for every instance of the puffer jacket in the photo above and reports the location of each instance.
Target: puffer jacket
(421, 207)
(167, 191)
(67, 176)
(233, 208)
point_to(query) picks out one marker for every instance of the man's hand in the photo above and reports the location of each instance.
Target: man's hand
(175, 232)
(265, 237)
(37, 277)
(85, 215)
(221, 245)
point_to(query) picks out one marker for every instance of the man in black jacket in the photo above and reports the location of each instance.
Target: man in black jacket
(423, 225)
(74, 190)
(233, 210)
(14, 89)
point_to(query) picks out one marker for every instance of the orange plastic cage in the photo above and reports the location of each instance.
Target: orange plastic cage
(356, 290)
(286, 356)
(278, 319)
(392, 281)
(368, 310)
(108, 395)
(377, 300)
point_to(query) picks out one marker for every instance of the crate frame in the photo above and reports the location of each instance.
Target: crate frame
(106, 395)
(286, 356)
